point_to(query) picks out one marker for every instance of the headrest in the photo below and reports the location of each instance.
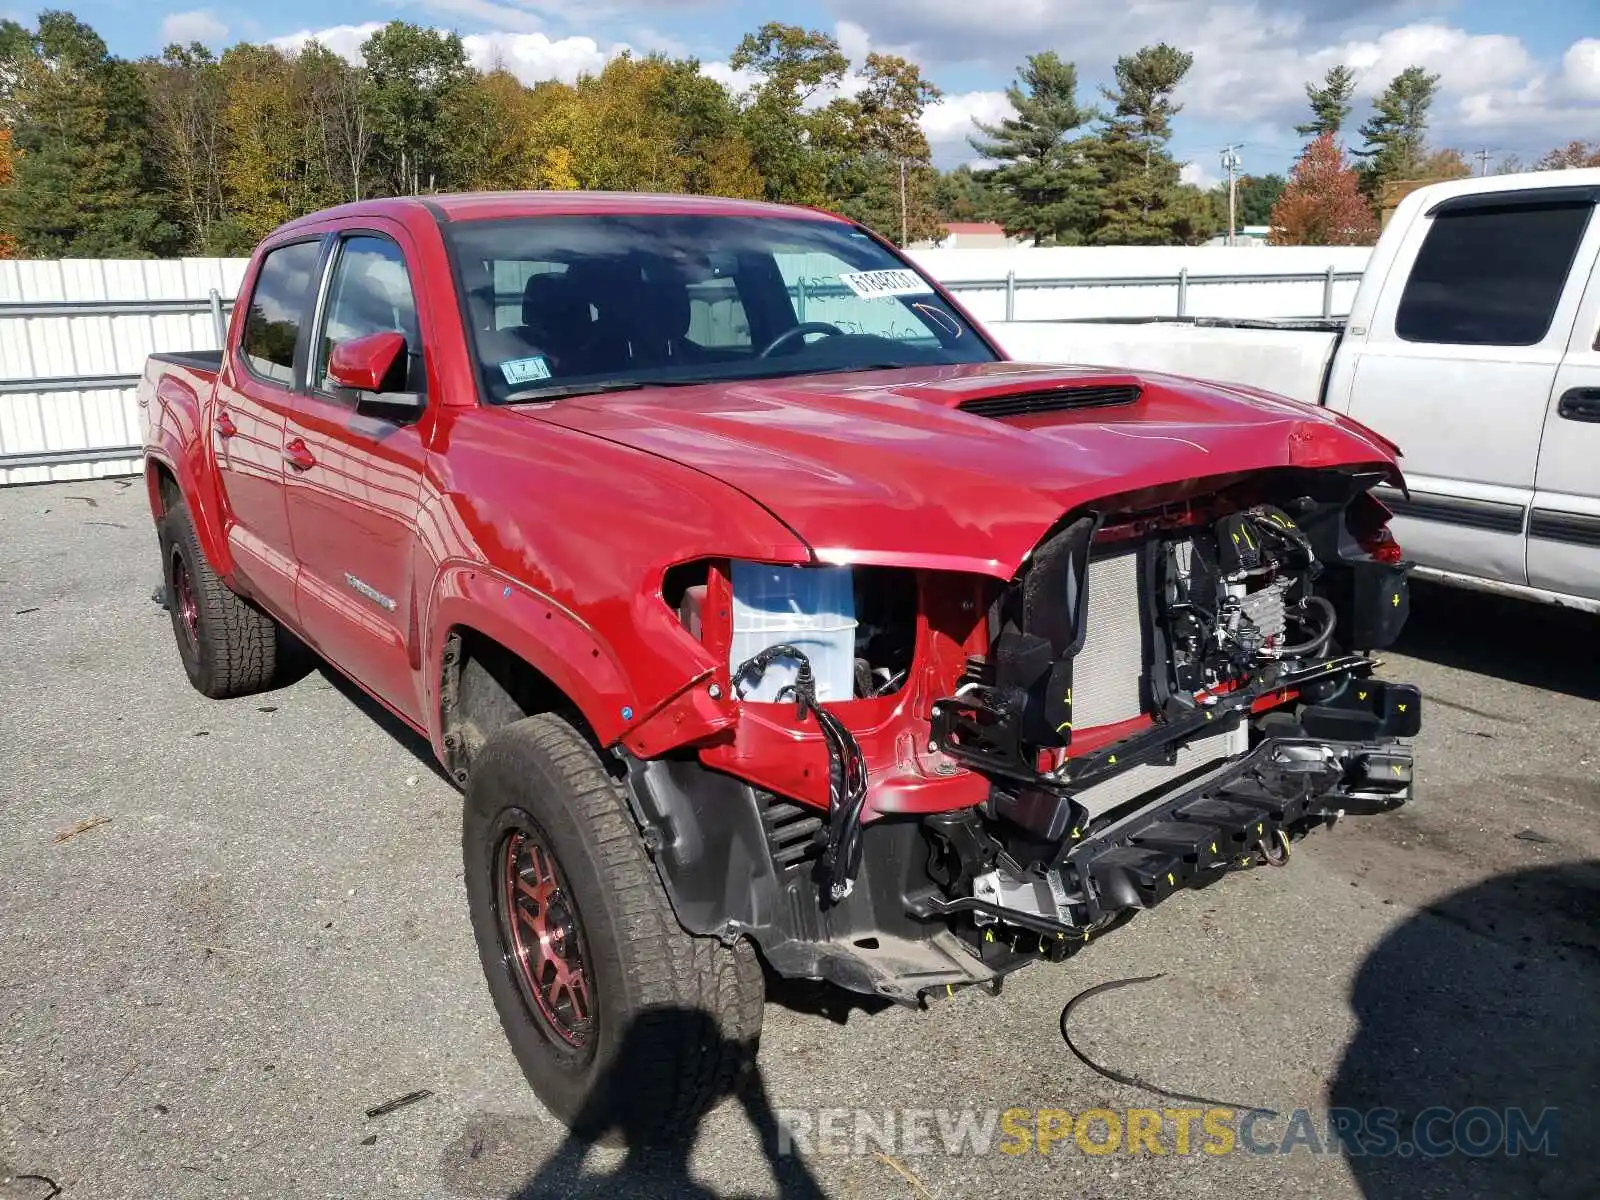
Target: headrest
(551, 305)
(663, 306)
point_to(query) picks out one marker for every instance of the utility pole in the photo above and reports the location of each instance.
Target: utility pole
(903, 235)
(1483, 161)
(1231, 162)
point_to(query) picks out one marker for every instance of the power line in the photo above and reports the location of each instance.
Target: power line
(1483, 161)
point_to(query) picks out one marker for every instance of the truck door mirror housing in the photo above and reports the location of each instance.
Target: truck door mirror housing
(363, 364)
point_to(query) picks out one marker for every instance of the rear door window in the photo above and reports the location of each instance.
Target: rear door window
(1491, 276)
(277, 317)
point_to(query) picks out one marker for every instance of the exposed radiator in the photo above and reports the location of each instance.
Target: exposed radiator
(1108, 676)
(1108, 672)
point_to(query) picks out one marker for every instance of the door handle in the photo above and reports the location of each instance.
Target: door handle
(1580, 404)
(224, 425)
(298, 455)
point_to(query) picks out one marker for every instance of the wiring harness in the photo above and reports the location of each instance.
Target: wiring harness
(847, 769)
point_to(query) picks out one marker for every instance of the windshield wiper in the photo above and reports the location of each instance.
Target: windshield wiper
(563, 391)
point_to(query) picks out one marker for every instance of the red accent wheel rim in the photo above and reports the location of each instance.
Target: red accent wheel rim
(546, 948)
(183, 598)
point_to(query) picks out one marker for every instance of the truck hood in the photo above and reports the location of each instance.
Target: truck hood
(884, 467)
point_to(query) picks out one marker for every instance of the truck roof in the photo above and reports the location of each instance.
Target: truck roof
(1587, 177)
(486, 206)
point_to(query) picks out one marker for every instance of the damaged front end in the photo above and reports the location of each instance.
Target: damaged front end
(1166, 692)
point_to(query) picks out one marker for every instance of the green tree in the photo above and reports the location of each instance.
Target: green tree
(881, 169)
(1396, 134)
(1330, 102)
(962, 194)
(1255, 196)
(412, 77)
(338, 134)
(1141, 200)
(81, 186)
(794, 66)
(188, 131)
(261, 173)
(1044, 185)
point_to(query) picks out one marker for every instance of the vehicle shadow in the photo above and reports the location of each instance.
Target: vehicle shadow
(1539, 645)
(406, 737)
(650, 1169)
(1488, 999)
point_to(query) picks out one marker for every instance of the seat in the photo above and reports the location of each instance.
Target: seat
(556, 323)
(658, 322)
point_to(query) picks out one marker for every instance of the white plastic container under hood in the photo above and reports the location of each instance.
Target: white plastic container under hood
(812, 609)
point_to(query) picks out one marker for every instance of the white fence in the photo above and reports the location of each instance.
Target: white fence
(73, 339)
(74, 334)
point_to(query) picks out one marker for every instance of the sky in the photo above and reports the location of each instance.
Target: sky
(1515, 79)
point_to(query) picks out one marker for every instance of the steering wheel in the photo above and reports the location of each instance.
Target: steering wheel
(799, 331)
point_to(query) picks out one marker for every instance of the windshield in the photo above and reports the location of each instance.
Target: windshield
(565, 305)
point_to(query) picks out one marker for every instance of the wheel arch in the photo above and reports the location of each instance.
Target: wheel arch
(170, 481)
(501, 652)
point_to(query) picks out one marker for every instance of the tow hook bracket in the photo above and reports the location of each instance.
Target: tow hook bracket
(1378, 771)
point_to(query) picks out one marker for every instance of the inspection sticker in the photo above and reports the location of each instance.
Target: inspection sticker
(525, 370)
(870, 285)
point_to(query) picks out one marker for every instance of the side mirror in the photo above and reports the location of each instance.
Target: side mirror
(362, 364)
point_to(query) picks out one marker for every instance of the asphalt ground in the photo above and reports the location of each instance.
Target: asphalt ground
(266, 935)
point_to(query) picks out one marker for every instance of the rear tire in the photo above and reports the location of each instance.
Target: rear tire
(668, 1022)
(229, 647)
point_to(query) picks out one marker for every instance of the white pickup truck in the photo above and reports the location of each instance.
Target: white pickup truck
(1473, 343)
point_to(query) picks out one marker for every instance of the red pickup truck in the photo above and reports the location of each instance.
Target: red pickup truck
(763, 611)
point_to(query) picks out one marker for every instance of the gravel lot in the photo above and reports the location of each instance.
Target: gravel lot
(267, 936)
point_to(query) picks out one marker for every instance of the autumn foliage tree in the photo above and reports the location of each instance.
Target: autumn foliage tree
(1572, 156)
(1322, 204)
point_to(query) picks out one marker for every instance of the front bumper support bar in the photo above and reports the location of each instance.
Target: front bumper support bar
(1199, 832)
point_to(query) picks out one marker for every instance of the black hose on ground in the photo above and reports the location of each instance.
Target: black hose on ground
(1133, 1080)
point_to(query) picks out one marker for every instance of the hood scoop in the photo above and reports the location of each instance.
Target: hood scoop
(1052, 400)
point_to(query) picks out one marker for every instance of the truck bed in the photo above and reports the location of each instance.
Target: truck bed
(1289, 357)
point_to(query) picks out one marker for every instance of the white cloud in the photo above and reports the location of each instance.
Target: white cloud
(343, 40)
(534, 57)
(531, 57)
(196, 26)
(1580, 69)
(1194, 173)
(736, 82)
(949, 120)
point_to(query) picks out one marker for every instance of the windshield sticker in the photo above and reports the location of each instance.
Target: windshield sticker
(525, 370)
(870, 285)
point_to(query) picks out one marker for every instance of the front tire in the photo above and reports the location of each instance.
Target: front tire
(229, 647)
(627, 1027)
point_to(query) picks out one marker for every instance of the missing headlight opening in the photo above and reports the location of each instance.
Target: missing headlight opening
(1166, 691)
(856, 626)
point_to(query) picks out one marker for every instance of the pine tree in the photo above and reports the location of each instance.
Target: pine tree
(1330, 103)
(1044, 185)
(1141, 201)
(1322, 204)
(1396, 133)
(81, 186)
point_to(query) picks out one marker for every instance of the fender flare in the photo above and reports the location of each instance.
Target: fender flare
(182, 451)
(545, 634)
